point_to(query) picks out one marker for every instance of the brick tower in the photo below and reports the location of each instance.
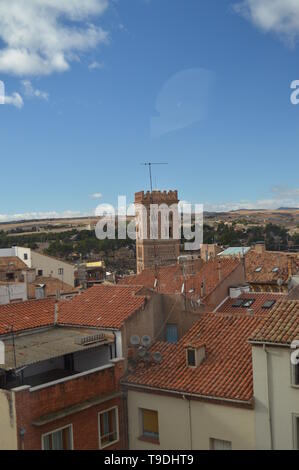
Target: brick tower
(159, 251)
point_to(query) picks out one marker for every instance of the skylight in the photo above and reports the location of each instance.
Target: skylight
(238, 303)
(248, 302)
(269, 304)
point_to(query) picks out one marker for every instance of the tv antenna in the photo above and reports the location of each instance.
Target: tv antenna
(149, 165)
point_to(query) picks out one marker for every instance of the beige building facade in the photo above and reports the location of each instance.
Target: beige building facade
(276, 398)
(185, 424)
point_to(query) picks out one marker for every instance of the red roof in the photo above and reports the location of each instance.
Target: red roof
(26, 315)
(171, 278)
(282, 326)
(104, 306)
(226, 373)
(270, 266)
(259, 301)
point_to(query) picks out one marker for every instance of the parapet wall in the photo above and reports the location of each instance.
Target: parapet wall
(156, 197)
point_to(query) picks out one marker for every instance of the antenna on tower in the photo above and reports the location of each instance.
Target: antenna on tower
(149, 165)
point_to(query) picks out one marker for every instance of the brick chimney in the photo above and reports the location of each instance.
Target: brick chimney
(260, 247)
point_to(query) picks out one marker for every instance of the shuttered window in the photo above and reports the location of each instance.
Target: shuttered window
(150, 424)
(171, 334)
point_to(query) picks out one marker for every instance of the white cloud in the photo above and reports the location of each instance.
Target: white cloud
(15, 100)
(278, 16)
(31, 92)
(96, 196)
(281, 196)
(41, 215)
(95, 66)
(46, 35)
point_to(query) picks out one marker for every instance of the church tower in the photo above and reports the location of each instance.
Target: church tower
(162, 248)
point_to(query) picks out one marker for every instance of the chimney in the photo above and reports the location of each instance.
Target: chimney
(56, 310)
(260, 247)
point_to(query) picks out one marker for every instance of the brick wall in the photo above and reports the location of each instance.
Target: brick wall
(31, 405)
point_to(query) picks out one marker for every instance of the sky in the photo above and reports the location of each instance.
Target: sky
(95, 88)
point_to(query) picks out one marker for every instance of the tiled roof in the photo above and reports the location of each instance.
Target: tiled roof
(104, 306)
(226, 372)
(52, 286)
(259, 300)
(269, 266)
(294, 293)
(26, 315)
(12, 263)
(171, 278)
(282, 326)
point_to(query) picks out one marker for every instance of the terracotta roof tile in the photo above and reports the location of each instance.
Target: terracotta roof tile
(26, 315)
(52, 286)
(105, 306)
(226, 373)
(259, 301)
(12, 263)
(282, 326)
(171, 278)
(269, 266)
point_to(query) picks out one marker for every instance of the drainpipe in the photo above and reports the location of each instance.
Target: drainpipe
(268, 396)
(189, 422)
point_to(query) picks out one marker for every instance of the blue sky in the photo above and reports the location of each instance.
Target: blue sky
(201, 84)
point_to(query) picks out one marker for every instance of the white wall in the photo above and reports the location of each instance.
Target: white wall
(208, 421)
(12, 292)
(19, 252)
(283, 398)
(50, 267)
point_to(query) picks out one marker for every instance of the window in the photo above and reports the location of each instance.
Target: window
(191, 357)
(40, 272)
(295, 374)
(25, 256)
(40, 292)
(149, 424)
(60, 271)
(269, 304)
(258, 270)
(248, 302)
(218, 444)
(61, 439)
(238, 303)
(171, 334)
(108, 427)
(275, 270)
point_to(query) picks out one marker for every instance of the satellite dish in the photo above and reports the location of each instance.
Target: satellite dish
(279, 282)
(135, 340)
(146, 341)
(157, 356)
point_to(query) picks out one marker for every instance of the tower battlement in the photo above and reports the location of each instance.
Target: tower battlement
(156, 197)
